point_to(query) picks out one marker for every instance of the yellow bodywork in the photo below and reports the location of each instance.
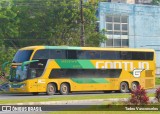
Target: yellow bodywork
(146, 79)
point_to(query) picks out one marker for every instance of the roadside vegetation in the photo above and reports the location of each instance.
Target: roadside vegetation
(138, 98)
(158, 81)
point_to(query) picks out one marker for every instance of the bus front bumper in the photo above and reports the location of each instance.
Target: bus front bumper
(17, 90)
(19, 87)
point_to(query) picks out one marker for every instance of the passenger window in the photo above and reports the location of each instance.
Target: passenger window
(41, 54)
(72, 54)
(110, 55)
(57, 54)
(138, 55)
(126, 55)
(81, 55)
(93, 55)
(149, 55)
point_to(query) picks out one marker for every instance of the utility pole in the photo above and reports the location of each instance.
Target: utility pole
(82, 37)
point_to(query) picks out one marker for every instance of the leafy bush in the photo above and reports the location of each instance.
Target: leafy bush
(157, 94)
(6, 55)
(139, 97)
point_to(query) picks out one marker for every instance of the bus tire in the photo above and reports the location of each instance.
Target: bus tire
(51, 89)
(64, 89)
(124, 87)
(134, 86)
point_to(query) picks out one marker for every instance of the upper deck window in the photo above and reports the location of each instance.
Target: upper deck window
(50, 54)
(41, 54)
(22, 55)
(90, 54)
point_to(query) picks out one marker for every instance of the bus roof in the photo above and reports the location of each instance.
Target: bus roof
(85, 48)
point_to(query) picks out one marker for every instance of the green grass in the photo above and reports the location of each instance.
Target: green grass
(157, 81)
(69, 97)
(102, 109)
(104, 112)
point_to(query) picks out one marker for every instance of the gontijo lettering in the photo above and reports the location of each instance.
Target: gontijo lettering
(126, 65)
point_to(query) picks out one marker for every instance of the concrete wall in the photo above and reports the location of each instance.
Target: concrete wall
(144, 24)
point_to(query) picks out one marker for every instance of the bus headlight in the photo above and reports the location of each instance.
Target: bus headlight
(23, 85)
(9, 85)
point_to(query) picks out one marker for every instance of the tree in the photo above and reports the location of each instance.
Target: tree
(8, 28)
(6, 55)
(54, 22)
(156, 2)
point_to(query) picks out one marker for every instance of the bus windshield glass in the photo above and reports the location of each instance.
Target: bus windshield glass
(17, 74)
(22, 55)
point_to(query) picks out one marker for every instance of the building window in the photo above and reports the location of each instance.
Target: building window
(109, 42)
(109, 26)
(117, 30)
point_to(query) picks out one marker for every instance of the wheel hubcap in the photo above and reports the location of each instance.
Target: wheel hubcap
(64, 89)
(123, 87)
(134, 87)
(51, 89)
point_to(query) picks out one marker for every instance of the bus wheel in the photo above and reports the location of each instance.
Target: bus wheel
(134, 86)
(51, 89)
(124, 87)
(64, 89)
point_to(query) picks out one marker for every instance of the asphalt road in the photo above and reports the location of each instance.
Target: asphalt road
(43, 95)
(81, 103)
(23, 96)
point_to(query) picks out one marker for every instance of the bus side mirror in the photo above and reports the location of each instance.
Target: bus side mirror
(4, 66)
(26, 63)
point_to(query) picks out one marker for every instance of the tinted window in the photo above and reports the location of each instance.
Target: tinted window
(88, 54)
(39, 64)
(81, 55)
(149, 55)
(33, 73)
(22, 55)
(92, 55)
(138, 56)
(36, 68)
(41, 54)
(126, 55)
(72, 54)
(50, 54)
(111, 55)
(57, 54)
(85, 73)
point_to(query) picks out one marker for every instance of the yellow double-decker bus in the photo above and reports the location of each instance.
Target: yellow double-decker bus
(65, 69)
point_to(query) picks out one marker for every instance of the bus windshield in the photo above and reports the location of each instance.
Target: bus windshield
(22, 55)
(17, 74)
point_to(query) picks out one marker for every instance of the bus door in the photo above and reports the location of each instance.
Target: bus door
(36, 72)
(33, 81)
